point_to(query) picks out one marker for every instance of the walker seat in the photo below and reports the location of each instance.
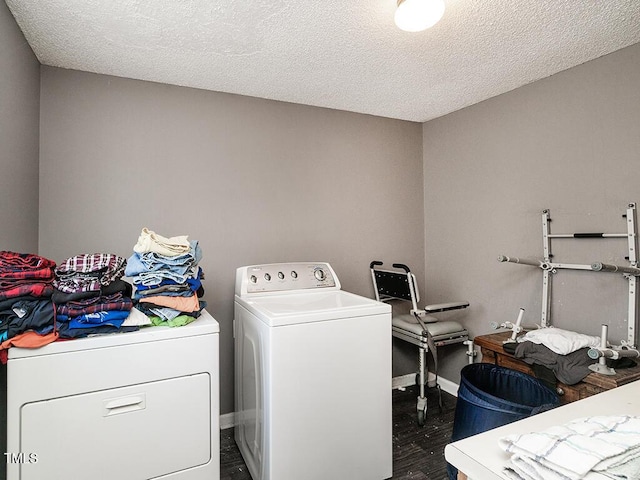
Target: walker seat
(443, 332)
(419, 327)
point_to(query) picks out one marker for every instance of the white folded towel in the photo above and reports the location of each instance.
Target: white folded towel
(585, 448)
(561, 341)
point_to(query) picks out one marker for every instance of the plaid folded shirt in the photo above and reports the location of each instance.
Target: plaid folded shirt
(88, 272)
(26, 289)
(24, 266)
(116, 301)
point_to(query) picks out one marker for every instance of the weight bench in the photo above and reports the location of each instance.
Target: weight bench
(419, 327)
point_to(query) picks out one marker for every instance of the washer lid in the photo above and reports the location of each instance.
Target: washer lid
(290, 309)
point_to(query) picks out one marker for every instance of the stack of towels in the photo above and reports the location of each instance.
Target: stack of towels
(26, 310)
(90, 296)
(599, 447)
(167, 278)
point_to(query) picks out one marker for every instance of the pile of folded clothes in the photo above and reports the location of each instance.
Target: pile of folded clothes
(557, 354)
(167, 278)
(26, 311)
(90, 296)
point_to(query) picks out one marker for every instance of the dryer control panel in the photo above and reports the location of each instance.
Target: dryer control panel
(285, 277)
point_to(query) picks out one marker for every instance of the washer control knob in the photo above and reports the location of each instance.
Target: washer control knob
(253, 279)
(267, 277)
(281, 275)
(319, 274)
(294, 274)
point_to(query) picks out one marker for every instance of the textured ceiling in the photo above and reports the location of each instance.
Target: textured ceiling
(346, 55)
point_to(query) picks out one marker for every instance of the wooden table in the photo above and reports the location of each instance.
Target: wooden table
(491, 347)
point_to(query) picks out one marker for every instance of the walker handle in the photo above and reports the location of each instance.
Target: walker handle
(402, 266)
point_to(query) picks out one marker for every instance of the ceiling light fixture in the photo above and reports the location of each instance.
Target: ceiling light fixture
(418, 15)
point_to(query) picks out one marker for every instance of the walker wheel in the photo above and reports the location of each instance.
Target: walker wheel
(422, 417)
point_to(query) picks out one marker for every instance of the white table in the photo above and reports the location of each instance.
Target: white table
(480, 457)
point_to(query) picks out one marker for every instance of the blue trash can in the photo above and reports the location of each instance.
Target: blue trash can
(490, 396)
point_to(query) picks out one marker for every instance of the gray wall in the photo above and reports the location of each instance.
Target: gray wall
(259, 181)
(19, 119)
(569, 143)
(255, 181)
(19, 134)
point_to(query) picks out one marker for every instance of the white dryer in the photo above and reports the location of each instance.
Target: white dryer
(312, 376)
(139, 405)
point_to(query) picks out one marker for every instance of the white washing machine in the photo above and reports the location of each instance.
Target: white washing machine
(139, 405)
(312, 376)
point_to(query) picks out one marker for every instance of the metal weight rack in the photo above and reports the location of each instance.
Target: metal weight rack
(630, 272)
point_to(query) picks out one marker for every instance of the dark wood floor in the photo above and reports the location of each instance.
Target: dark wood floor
(418, 452)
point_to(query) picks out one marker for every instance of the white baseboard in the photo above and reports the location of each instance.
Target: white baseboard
(448, 386)
(228, 420)
(409, 379)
